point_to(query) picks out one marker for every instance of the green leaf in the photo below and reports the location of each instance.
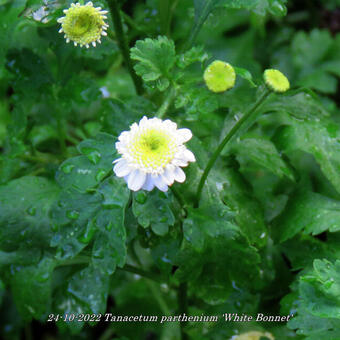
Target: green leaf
(31, 288)
(90, 288)
(249, 214)
(154, 210)
(245, 74)
(155, 60)
(212, 219)
(85, 172)
(263, 152)
(195, 54)
(73, 219)
(310, 212)
(302, 105)
(318, 311)
(109, 249)
(319, 137)
(24, 213)
(314, 60)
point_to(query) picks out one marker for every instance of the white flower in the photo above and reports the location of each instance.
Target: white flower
(83, 24)
(153, 154)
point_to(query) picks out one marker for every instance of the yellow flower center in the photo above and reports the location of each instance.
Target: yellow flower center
(83, 24)
(276, 80)
(152, 149)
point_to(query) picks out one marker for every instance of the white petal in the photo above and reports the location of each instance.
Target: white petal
(136, 180)
(168, 175)
(179, 175)
(121, 169)
(143, 121)
(148, 185)
(159, 182)
(179, 162)
(189, 156)
(184, 134)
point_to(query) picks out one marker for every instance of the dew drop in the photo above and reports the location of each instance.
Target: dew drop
(31, 211)
(72, 214)
(43, 277)
(67, 168)
(92, 154)
(109, 226)
(89, 232)
(100, 175)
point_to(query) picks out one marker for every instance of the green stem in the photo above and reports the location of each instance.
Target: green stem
(166, 104)
(226, 139)
(127, 268)
(208, 5)
(141, 272)
(158, 296)
(117, 21)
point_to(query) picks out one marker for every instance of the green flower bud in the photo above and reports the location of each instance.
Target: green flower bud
(219, 76)
(276, 80)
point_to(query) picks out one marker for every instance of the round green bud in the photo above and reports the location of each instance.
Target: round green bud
(219, 76)
(276, 80)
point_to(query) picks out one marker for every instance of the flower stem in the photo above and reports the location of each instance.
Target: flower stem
(166, 104)
(117, 21)
(225, 141)
(82, 259)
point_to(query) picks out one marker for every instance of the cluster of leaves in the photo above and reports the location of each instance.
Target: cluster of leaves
(267, 227)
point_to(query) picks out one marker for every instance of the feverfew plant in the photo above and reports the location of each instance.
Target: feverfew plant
(179, 176)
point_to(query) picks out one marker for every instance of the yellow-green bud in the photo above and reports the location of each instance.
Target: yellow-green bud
(276, 80)
(252, 336)
(83, 24)
(219, 76)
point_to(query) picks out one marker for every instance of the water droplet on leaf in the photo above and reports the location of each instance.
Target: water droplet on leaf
(67, 168)
(72, 214)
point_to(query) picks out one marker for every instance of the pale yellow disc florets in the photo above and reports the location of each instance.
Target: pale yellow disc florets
(276, 80)
(153, 149)
(83, 24)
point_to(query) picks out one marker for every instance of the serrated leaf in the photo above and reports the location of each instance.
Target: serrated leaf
(155, 60)
(153, 210)
(26, 222)
(311, 213)
(85, 172)
(263, 152)
(90, 288)
(109, 249)
(73, 218)
(32, 289)
(248, 212)
(195, 54)
(318, 311)
(319, 137)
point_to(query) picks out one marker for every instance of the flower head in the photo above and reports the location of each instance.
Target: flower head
(83, 24)
(276, 80)
(153, 154)
(252, 336)
(219, 76)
